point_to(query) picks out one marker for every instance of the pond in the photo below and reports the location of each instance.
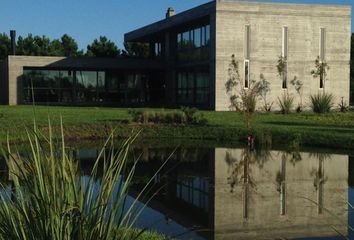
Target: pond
(234, 192)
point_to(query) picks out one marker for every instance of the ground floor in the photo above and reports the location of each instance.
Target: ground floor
(103, 82)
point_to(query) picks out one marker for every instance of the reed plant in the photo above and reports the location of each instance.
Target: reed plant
(49, 198)
(286, 103)
(321, 102)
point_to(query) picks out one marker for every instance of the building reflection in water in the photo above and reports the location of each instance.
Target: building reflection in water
(220, 193)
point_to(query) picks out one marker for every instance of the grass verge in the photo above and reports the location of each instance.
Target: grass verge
(332, 130)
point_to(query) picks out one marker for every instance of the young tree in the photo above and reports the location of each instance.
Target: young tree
(5, 45)
(241, 98)
(102, 47)
(321, 69)
(298, 85)
(264, 89)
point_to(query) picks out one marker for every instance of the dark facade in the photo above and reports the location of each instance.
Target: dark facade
(184, 44)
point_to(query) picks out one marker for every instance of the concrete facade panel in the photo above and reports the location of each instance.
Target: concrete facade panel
(266, 21)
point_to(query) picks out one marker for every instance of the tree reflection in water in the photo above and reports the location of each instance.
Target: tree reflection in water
(319, 178)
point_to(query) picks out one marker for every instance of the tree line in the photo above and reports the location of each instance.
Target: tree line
(34, 45)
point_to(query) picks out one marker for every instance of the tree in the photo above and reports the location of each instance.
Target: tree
(298, 85)
(69, 45)
(321, 69)
(102, 47)
(241, 98)
(5, 45)
(136, 49)
(33, 46)
(55, 48)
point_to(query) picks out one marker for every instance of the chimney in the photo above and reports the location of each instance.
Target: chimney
(13, 42)
(170, 12)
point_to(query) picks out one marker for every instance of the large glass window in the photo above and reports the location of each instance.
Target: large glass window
(59, 86)
(193, 44)
(193, 88)
(47, 86)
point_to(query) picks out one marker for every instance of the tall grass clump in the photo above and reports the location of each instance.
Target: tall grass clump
(321, 102)
(185, 116)
(49, 198)
(286, 103)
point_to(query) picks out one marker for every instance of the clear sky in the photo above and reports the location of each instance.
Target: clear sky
(86, 20)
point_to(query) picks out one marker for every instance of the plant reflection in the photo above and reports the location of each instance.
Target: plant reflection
(319, 178)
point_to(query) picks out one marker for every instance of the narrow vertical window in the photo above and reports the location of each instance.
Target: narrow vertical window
(322, 55)
(247, 48)
(247, 73)
(322, 44)
(285, 57)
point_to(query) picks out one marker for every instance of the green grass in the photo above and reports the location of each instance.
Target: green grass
(324, 130)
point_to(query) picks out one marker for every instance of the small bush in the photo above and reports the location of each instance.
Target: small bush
(343, 107)
(286, 103)
(185, 116)
(321, 102)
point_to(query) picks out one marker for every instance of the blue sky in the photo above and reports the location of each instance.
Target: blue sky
(86, 20)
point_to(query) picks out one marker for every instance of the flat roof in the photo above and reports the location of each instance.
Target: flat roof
(144, 33)
(94, 63)
(177, 20)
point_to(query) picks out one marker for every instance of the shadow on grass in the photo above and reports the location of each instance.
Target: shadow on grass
(310, 125)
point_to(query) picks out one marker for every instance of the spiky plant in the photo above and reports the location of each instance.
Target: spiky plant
(321, 102)
(286, 103)
(50, 199)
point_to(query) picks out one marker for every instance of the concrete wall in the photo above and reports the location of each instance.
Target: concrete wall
(15, 72)
(264, 201)
(266, 21)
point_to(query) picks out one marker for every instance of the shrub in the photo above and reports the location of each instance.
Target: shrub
(343, 107)
(321, 102)
(185, 116)
(286, 103)
(189, 113)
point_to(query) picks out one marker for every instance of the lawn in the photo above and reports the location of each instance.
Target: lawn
(327, 130)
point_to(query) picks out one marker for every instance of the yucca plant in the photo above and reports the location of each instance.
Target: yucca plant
(286, 103)
(51, 200)
(321, 102)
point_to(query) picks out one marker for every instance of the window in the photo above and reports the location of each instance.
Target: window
(157, 49)
(247, 48)
(193, 87)
(193, 44)
(247, 73)
(285, 57)
(322, 55)
(285, 43)
(322, 44)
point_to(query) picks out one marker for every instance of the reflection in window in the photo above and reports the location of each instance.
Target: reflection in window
(158, 49)
(193, 45)
(247, 74)
(285, 57)
(193, 87)
(194, 191)
(60, 86)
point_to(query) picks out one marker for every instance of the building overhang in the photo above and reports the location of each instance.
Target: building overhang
(85, 63)
(145, 33)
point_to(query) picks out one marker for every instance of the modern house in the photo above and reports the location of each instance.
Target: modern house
(190, 54)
